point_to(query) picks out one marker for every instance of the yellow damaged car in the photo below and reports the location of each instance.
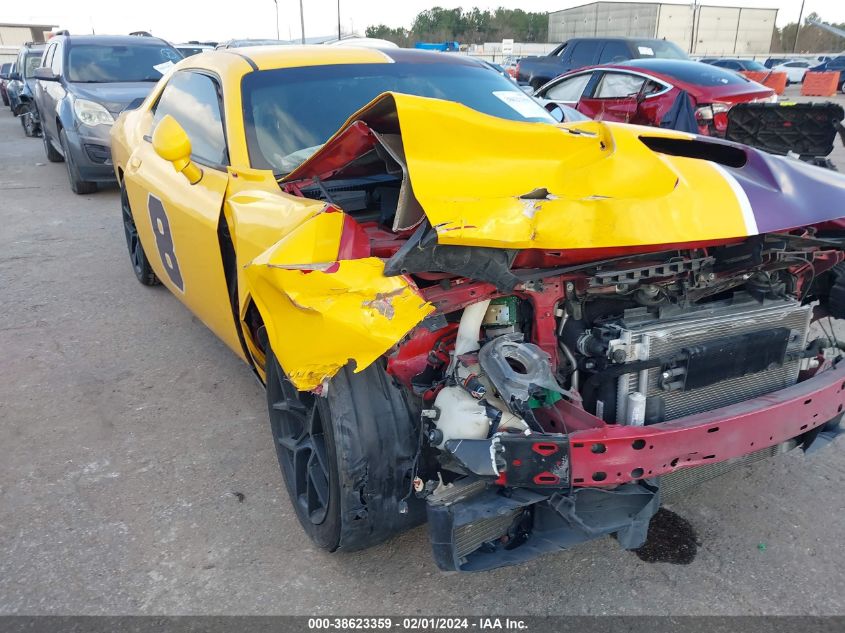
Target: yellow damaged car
(523, 331)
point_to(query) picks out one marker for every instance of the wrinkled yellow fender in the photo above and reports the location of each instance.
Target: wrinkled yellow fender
(321, 313)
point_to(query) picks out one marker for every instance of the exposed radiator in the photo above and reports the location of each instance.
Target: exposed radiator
(645, 337)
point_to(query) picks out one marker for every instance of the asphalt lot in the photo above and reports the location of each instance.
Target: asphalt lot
(126, 429)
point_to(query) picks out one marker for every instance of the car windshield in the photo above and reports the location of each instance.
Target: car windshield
(99, 63)
(752, 65)
(660, 48)
(290, 112)
(33, 61)
(248, 43)
(188, 51)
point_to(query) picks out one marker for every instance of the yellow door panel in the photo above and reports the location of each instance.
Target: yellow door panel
(177, 224)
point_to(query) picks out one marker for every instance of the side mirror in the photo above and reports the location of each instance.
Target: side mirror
(172, 143)
(555, 110)
(15, 76)
(45, 73)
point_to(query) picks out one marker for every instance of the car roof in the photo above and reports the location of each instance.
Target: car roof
(658, 64)
(617, 38)
(666, 70)
(291, 56)
(114, 40)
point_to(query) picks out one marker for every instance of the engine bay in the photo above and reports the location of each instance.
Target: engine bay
(630, 341)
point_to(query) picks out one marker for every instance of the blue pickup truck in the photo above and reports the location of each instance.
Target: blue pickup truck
(590, 51)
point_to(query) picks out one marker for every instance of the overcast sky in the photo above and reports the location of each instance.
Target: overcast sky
(217, 20)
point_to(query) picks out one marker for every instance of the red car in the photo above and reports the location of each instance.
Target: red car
(643, 91)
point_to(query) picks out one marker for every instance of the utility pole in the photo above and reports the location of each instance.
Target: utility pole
(338, 20)
(302, 21)
(798, 30)
(692, 28)
(276, 3)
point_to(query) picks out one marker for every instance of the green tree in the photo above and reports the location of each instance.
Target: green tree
(811, 39)
(397, 35)
(473, 26)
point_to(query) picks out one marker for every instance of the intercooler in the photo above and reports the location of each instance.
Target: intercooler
(644, 337)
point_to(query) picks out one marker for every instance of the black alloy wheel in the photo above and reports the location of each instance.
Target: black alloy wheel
(299, 432)
(140, 263)
(347, 459)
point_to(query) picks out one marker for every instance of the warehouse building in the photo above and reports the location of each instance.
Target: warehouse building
(13, 36)
(700, 30)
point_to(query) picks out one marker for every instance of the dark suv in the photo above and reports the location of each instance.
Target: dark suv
(21, 85)
(85, 81)
(591, 51)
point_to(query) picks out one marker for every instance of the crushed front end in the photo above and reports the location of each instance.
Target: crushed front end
(558, 411)
(579, 347)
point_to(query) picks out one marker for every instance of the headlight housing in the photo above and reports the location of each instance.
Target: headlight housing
(91, 113)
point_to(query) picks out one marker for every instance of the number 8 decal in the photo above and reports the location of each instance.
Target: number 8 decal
(164, 241)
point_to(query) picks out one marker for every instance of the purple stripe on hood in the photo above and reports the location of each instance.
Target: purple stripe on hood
(786, 193)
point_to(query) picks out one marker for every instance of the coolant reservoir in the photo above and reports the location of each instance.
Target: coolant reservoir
(461, 417)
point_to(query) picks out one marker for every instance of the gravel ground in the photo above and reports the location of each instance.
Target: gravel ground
(128, 430)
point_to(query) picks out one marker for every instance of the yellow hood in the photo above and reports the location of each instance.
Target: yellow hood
(486, 181)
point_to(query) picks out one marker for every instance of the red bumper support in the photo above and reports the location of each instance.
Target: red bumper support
(613, 454)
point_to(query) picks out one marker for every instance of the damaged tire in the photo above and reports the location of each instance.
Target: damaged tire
(29, 122)
(347, 459)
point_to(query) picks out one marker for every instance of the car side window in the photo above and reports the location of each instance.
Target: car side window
(585, 52)
(48, 56)
(56, 60)
(569, 89)
(614, 52)
(192, 99)
(619, 86)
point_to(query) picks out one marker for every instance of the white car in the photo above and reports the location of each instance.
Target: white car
(794, 70)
